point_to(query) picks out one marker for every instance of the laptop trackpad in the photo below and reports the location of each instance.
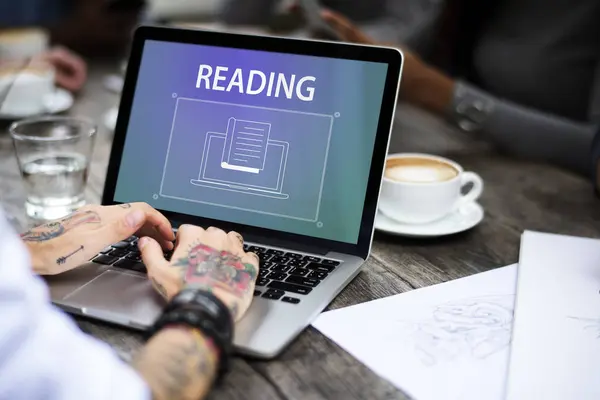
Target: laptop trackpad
(130, 297)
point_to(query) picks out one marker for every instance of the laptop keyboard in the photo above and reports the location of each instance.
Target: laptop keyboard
(282, 275)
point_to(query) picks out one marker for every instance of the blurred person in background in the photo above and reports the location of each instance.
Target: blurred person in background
(524, 74)
(89, 27)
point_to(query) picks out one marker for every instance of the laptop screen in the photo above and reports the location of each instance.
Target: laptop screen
(270, 140)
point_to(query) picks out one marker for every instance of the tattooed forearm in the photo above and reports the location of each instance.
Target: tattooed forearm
(178, 363)
(54, 229)
(125, 205)
(209, 268)
(63, 259)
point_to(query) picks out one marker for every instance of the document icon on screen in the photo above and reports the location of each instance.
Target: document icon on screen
(246, 145)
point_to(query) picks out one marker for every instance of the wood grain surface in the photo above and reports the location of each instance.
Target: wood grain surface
(518, 195)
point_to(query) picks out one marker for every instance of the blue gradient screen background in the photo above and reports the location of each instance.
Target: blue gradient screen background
(318, 153)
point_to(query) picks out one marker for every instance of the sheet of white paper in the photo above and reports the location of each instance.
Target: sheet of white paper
(449, 341)
(555, 351)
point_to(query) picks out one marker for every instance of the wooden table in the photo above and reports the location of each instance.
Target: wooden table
(518, 195)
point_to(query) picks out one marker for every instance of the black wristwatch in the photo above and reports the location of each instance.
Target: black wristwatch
(201, 310)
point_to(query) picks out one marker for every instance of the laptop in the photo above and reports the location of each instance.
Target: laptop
(282, 140)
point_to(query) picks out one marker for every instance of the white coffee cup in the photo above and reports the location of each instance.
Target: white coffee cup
(422, 188)
(22, 43)
(25, 88)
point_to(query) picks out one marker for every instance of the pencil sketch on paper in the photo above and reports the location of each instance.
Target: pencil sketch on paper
(475, 327)
(589, 324)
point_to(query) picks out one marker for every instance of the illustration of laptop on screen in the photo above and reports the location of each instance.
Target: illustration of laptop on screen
(244, 159)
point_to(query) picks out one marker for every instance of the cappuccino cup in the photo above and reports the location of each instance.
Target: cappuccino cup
(22, 43)
(421, 188)
(25, 88)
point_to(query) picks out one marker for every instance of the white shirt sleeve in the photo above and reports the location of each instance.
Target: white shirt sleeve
(43, 354)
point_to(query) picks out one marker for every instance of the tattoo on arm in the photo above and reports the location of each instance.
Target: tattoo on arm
(63, 259)
(209, 268)
(54, 229)
(125, 205)
(178, 363)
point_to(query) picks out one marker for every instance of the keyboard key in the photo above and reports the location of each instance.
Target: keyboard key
(272, 296)
(297, 263)
(320, 267)
(257, 293)
(298, 280)
(121, 245)
(280, 260)
(264, 258)
(311, 259)
(299, 271)
(262, 282)
(330, 262)
(317, 275)
(246, 247)
(280, 268)
(118, 253)
(277, 276)
(106, 250)
(131, 239)
(276, 252)
(294, 255)
(276, 291)
(263, 273)
(134, 257)
(268, 266)
(106, 260)
(292, 300)
(289, 287)
(256, 249)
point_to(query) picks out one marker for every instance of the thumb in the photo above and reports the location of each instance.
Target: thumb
(152, 254)
(123, 227)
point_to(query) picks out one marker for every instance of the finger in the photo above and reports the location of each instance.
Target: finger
(153, 231)
(124, 226)
(152, 254)
(156, 226)
(344, 27)
(237, 243)
(218, 239)
(187, 236)
(71, 70)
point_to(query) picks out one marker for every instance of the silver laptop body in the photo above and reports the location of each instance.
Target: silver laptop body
(123, 296)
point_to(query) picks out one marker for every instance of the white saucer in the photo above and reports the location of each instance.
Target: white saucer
(59, 101)
(110, 118)
(461, 220)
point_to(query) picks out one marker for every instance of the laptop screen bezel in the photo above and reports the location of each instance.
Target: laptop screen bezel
(391, 57)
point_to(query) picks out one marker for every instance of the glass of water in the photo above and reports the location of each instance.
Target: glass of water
(54, 155)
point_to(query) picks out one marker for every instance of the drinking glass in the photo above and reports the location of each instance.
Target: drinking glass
(54, 156)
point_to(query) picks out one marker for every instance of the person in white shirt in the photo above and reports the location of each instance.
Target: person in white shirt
(43, 354)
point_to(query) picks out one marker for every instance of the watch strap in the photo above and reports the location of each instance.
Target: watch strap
(201, 310)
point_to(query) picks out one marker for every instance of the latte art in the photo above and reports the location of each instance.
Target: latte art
(419, 170)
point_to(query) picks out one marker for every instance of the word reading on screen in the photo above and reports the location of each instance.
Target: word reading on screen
(255, 82)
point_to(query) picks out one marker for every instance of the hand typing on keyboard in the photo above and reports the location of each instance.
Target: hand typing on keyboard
(64, 244)
(207, 259)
